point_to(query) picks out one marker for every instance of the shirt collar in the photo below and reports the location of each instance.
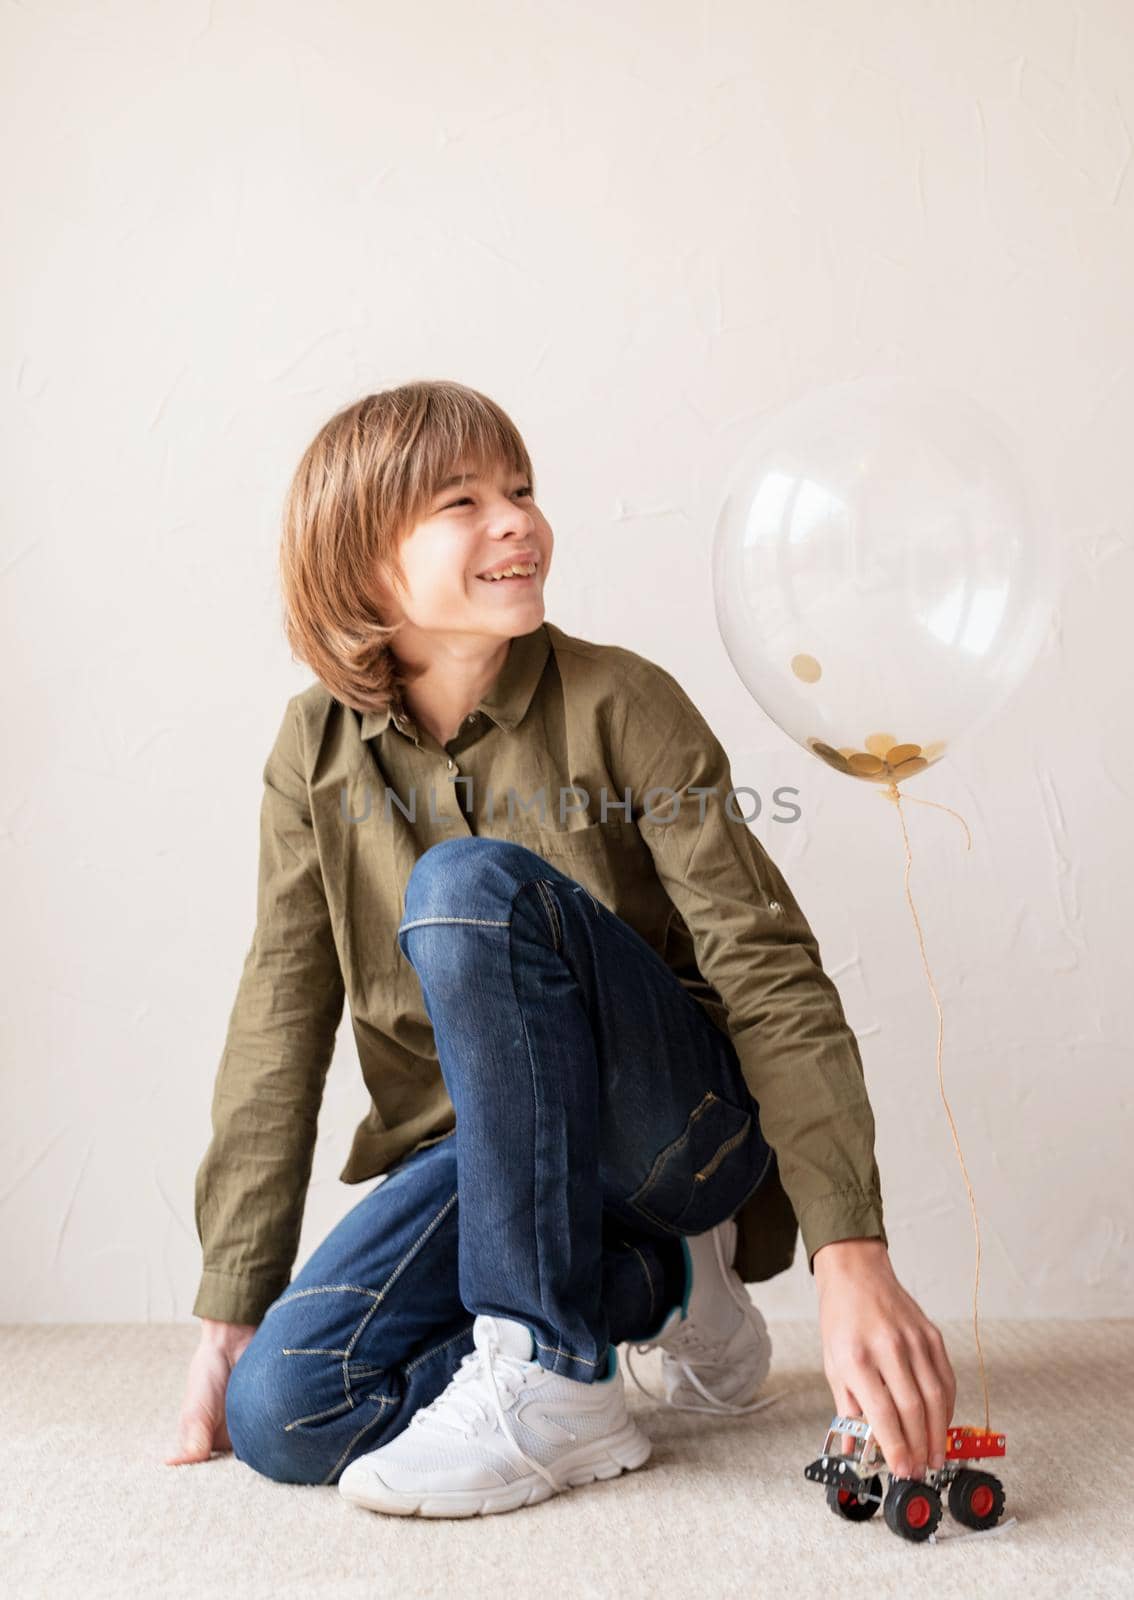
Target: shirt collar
(509, 697)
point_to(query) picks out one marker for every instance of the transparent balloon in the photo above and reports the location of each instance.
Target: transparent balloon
(883, 578)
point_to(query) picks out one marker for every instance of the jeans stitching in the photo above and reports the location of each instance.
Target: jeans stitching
(729, 1144)
(325, 1288)
(321, 1416)
(557, 1350)
(335, 1470)
(473, 922)
(444, 1345)
(664, 1157)
(376, 1296)
(552, 910)
(397, 1272)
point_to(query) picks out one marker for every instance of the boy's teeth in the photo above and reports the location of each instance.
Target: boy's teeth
(523, 572)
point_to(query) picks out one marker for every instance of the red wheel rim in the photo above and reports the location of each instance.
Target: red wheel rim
(917, 1512)
(982, 1500)
(845, 1497)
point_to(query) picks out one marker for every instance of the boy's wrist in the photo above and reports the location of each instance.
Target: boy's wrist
(226, 1334)
(849, 1255)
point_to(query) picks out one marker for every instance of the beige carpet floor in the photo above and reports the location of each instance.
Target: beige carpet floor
(88, 1508)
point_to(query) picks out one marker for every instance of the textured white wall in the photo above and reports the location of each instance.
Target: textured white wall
(642, 227)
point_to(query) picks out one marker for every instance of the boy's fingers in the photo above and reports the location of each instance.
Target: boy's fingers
(194, 1442)
(936, 1403)
(199, 1441)
(944, 1369)
(185, 1454)
(884, 1419)
(903, 1386)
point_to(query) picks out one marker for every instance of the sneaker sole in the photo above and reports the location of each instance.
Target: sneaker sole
(601, 1459)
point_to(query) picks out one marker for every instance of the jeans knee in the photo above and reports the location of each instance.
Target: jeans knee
(259, 1409)
(454, 874)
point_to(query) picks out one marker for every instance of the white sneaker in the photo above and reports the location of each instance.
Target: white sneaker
(716, 1343)
(504, 1433)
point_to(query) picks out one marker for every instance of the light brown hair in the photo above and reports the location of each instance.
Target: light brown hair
(364, 482)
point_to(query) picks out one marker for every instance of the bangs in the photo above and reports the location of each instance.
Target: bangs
(458, 432)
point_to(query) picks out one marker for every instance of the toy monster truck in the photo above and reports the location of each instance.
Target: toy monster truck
(911, 1506)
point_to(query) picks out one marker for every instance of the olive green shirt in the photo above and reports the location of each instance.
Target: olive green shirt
(595, 758)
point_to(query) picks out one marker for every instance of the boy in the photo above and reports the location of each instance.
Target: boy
(603, 1036)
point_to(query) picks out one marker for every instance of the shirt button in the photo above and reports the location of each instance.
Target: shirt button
(471, 718)
(774, 905)
(450, 763)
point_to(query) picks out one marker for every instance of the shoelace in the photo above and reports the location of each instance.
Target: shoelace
(470, 1410)
(718, 1405)
(687, 1343)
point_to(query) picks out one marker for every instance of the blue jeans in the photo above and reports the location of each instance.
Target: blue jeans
(600, 1116)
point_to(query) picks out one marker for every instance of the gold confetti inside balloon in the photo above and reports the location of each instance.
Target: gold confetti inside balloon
(883, 761)
(883, 580)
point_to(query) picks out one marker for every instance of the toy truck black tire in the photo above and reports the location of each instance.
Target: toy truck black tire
(845, 1502)
(912, 1509)
(976, 1499)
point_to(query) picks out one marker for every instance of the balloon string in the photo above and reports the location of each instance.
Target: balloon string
(892, 793)
(886, 795)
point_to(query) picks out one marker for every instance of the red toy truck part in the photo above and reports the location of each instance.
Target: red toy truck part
(973, 1444)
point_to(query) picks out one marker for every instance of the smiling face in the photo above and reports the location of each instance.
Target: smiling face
(477, 522)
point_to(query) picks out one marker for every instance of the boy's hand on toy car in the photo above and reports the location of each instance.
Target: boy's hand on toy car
(884, 1359)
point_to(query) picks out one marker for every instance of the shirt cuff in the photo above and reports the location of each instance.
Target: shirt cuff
(842, 1214)
(223, 1297)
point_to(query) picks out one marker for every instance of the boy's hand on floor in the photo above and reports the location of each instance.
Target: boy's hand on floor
(883, 1357)
(201, 1426)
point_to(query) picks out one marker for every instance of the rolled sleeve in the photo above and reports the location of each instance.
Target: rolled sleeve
(798, 1054)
